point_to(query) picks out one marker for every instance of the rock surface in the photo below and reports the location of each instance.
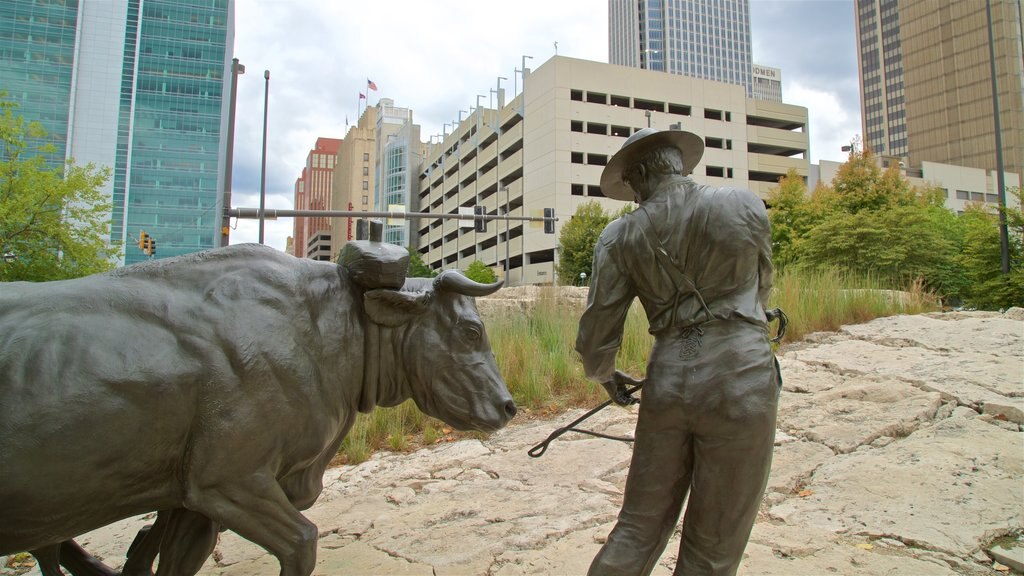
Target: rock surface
(899, 451)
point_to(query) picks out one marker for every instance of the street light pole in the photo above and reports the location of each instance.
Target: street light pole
(1004, 237)
(263, 169)
(236, 70)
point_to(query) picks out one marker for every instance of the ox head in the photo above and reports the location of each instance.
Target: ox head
(443, 350)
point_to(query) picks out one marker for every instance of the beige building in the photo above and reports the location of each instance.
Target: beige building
(926, 83)
(548, 146)
(354, 177)
(963, 185)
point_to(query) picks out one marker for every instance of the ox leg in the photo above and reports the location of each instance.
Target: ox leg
(144, 549)
(188, 540)
(80, 563)
(257, 509)
(48, 559)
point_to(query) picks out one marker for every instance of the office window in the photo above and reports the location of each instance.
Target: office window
(366, 170)
(977, 197)
(366, 185)
(366, 156)
(366, 199)
(577, 189)
(576, 95)
(963, 195)
(596, 128)
(576, 157)
(576, 126)
(597, 159)
(993, 198)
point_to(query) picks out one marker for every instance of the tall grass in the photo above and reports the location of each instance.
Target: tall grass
(825, 299)
(535, 353)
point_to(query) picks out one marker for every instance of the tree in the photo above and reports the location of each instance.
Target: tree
(418, 268)
(981, 257)
(577, 240)
(54, 222)
(869, 221)
(480, 272)
(790, 215)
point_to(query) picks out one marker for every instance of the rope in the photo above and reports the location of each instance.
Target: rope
(539, 450)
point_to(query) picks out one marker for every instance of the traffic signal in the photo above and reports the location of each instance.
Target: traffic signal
(549, 220)
(478, 218)
(151, 247)
(143, 237)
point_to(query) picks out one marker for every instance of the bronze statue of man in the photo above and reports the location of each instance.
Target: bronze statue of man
(699, 259)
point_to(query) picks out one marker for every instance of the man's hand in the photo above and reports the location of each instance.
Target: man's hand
(616, 388)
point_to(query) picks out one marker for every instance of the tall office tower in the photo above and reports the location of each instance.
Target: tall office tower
(397, 141)
(138, 87)
(707, 39)
(313, 191)
(926, 82)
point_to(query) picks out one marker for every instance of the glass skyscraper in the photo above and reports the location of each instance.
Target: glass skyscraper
(139, 86)
(707, 39)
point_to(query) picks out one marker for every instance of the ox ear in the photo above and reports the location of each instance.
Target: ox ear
(394, 307)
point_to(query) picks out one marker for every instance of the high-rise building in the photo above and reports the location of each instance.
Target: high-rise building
(313, 191)
(353, 176)
(546, 149)
(926, 81)
(397, 142)
(708, 39)
(139, 87)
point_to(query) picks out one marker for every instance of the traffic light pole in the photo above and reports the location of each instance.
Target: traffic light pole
(271, 214)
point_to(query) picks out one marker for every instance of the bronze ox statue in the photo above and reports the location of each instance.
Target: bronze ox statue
(215, 388)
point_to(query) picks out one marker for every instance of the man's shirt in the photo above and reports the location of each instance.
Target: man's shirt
(720, 240)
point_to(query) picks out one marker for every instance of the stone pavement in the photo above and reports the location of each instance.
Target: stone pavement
(899, 451)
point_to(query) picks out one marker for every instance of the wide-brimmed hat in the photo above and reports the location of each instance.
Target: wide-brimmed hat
(640, 143)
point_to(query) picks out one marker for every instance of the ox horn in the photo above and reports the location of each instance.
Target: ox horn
(455, 281)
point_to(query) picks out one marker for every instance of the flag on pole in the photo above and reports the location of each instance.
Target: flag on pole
(362, 96)
(371, 85)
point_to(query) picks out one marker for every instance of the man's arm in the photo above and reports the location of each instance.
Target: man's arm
(608, 301)
(762, 235)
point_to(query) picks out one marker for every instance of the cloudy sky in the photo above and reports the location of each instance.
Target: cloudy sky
(436, 56)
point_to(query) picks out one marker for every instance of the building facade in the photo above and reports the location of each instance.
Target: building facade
(354, 179)
(547, 147)
(766, 83)
(139, 87)
(313, 191)
(708, 39)
(962, 185)
(926, 82)
(397, 146)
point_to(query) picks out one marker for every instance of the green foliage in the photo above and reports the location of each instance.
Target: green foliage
(791, 216)
(418, 268)
(578, 237)
(869, 222)
(480, 272)
(55, 222)
(981, 258)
